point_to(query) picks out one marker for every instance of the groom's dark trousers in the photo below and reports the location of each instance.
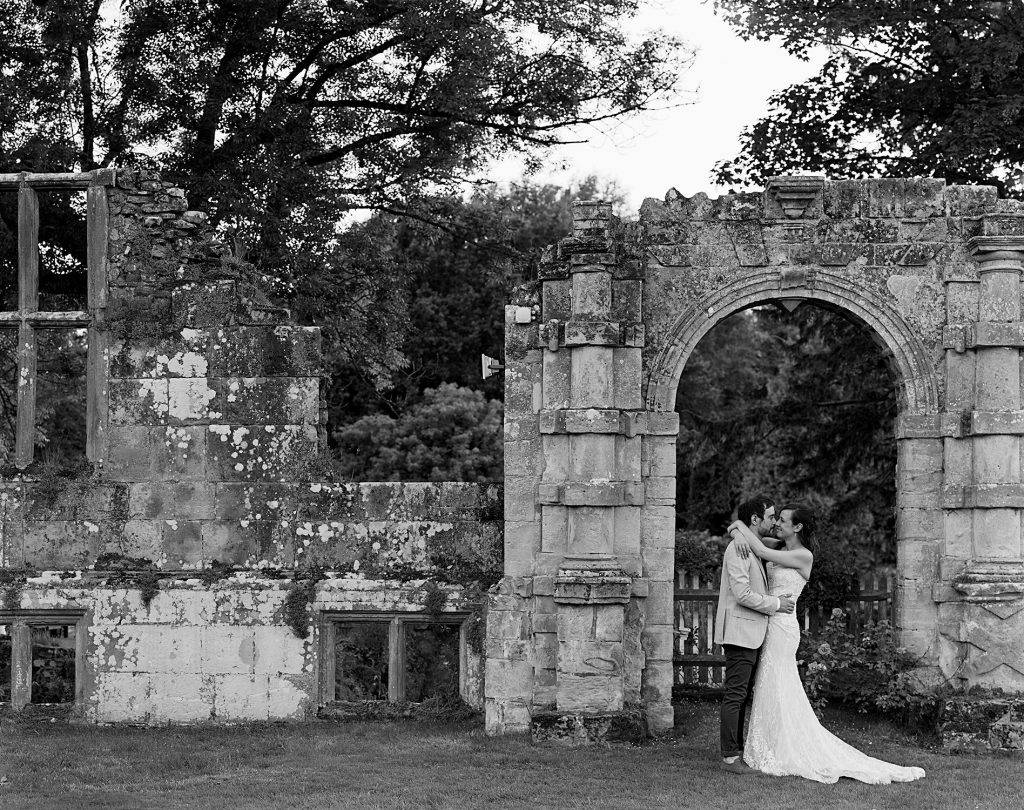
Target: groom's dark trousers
(740, 663)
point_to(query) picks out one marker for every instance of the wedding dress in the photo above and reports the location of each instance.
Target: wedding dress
(784, 737)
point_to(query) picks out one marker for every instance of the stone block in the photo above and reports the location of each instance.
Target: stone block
(508, 681)
(167, 650)
(922, 524)
(575, 622)
(180, 454)
(658, 527)
(659, 563)
(589, 658)
(627, 530)
(258, 452)
(227, 542)
(971, 201)
(608, 622)
(919, 456)
(591, 530)
(592, 457)
(657, 683)
(137, 402)
(589, 693)
(522, 543)
(554, 528)
(227, 649)
(122, 697)
(657, 642)
(556, 304)
(242, 698)
(592, 378)
(181, 542)
(628, 379)
(592, 294)
(266, 400)
(130, 452)
(997, 533)
(180, 698)
(660, 602)
(162, 500)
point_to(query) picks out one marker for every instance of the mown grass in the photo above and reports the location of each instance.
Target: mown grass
(399, 765)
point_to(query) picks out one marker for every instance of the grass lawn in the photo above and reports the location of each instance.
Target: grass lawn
(416, 765)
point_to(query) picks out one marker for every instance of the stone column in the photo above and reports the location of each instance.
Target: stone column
(996, 492)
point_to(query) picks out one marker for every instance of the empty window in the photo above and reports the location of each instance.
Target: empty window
(392, 657)
(40, 656)
(53, 256)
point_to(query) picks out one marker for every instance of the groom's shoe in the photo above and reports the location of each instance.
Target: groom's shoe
(738, 766)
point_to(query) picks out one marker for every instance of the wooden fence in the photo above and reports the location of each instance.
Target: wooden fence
(699, 662)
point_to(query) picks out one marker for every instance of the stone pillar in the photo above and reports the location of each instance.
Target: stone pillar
(982, 615)
(576, 572)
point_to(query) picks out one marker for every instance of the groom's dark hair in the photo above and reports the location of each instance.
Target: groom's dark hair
(752, 507)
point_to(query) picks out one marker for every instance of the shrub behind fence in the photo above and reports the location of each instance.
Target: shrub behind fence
(700, 663)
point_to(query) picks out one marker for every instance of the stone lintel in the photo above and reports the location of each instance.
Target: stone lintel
(604, 421)
(991, 581)
(585, 586)
(582, 262)
(795, 193)
(984, 496)
(592, 493)
(963, 336)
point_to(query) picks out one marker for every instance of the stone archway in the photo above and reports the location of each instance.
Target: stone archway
(580, 628)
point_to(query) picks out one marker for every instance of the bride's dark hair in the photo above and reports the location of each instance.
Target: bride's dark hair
(803, 514)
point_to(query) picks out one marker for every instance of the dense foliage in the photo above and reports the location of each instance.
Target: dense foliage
(905, 89)
(453, 434)
(282, 118)
(799, 407)
(865, 670)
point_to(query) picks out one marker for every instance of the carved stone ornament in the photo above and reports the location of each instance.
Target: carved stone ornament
(795, 193)
(991, 582)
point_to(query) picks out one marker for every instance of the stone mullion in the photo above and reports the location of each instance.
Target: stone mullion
(21, 665)
(28, 303)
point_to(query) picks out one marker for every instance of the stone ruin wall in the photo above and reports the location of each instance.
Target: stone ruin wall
(933, 270)
(209, 433)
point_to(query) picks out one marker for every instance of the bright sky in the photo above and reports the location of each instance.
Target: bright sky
(729, 84)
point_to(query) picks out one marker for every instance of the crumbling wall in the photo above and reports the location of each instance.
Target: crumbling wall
(207, 537)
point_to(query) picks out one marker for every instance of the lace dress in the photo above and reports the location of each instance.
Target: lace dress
(784, 737)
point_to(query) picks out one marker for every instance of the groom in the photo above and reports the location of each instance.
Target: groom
(741, 623)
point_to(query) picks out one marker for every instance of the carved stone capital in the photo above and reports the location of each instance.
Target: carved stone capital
(795, 193)
(997, 253)
(991, 581)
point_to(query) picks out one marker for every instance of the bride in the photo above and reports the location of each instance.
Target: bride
(784, 737)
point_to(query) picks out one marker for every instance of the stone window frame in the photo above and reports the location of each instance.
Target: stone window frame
(20, 623)
(27, 318)
(396, 646)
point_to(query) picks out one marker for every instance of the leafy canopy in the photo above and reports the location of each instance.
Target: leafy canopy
(907, 88)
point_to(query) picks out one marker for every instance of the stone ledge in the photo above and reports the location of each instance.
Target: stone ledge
(983, 496)
(607, 421)
(961, 425)
(583, 586)
(991, 582)
(983, 334)
(591, 493)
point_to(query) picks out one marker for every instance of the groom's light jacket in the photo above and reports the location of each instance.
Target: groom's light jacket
(743, 601)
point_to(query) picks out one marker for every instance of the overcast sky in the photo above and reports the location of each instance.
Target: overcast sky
(729, 85)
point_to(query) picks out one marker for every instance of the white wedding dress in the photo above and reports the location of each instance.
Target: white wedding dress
(784, 737)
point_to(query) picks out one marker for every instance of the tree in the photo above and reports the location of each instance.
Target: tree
(456, 281)
(906, 89)
(453, 434)
(799, 407)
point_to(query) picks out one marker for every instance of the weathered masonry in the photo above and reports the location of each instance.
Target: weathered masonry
(580, 629)
(201, 567)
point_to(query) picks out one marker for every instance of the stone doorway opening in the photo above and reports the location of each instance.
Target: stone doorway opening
(797, 402)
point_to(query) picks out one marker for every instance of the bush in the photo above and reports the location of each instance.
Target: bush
(867, 671)
(698, 552)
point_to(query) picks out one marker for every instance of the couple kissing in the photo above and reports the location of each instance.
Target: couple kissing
(765, 568)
